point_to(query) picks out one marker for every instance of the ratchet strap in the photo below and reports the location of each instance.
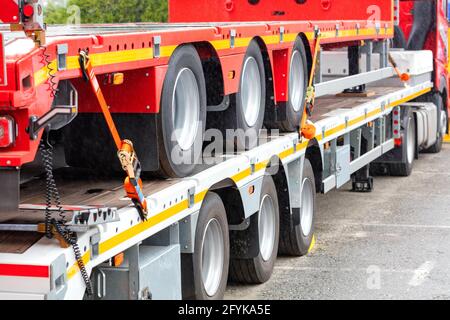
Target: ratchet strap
(404, 77)
(125, 150)
(308, 130)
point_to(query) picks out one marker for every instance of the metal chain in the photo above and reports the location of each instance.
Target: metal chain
(59, 225)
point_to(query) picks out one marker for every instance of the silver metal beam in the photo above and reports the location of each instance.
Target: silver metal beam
(339, 85)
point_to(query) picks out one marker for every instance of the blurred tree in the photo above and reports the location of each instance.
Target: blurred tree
(107, 11)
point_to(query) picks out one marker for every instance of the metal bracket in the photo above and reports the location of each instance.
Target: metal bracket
(95, 241)
(156, 46)
(62, 50)
(64, 110)
(282, 34)
(191, 196)
(253, 165)
(83, 217)
(232, 38)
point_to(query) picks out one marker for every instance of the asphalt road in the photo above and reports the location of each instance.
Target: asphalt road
(393, 243)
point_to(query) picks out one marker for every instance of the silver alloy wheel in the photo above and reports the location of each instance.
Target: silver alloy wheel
(185, 108)
(212, 253)
(410, 144)
(251, 89)
(443, 123)
(266, 226)
(296, 81)
(307, 210)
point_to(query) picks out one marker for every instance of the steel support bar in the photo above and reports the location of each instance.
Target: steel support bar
(339, 85)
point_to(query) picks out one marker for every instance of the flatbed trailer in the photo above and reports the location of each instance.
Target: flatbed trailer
(237, 210)
(37, 267)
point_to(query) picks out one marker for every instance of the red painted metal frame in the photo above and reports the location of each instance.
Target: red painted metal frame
(18, 270)
(144, 79)
(3, 78)
(270, 10)
(437, 42)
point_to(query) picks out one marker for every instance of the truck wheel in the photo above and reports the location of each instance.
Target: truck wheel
(260, 268)
(247, 108)
(436, 98)
(182, 116)
(298, 83)
(205, 272)
(297, 232)
(404, 168)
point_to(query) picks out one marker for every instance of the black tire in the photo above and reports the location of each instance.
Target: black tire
(193, 286)
(293, 118)
(184, 57)
(235, 115)
(259, 270)
(293, 241)
(399, 40)
(404, 168)
(437, 99)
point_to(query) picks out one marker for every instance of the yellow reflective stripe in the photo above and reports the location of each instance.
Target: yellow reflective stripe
(241, 175)
(200, 196)
(115, 57)
(406, 99)
(356, 120)
(73, 270)
(166, 51)
(274, 39)
(335, 130)
(372, 113)
(42, 75)
(261, 165)
(286, 153)
(101, 59)
(143, 226)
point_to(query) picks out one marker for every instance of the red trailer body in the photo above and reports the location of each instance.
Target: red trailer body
(143, 52)
(268, 10)
(3, 79)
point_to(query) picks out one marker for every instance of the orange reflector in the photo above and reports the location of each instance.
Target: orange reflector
(251, 190)
(231, 74)
(405, 77)
(117, 260)
(309, 131)
(118, 78)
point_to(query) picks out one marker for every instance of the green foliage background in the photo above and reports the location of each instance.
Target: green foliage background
(107, 11)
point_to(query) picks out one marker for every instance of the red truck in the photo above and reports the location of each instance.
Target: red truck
(423, 25)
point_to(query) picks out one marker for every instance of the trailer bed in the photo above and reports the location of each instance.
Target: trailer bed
(82, 187)
(172, 201)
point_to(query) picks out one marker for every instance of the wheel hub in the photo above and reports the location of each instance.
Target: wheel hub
(307, 211)
(296, 81)
(185, 109)
(251, 89)
(266, 225)
(212, 257)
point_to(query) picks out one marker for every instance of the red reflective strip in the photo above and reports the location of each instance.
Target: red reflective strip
(17, 270)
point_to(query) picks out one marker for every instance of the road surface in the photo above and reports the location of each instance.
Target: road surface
(393, 243)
